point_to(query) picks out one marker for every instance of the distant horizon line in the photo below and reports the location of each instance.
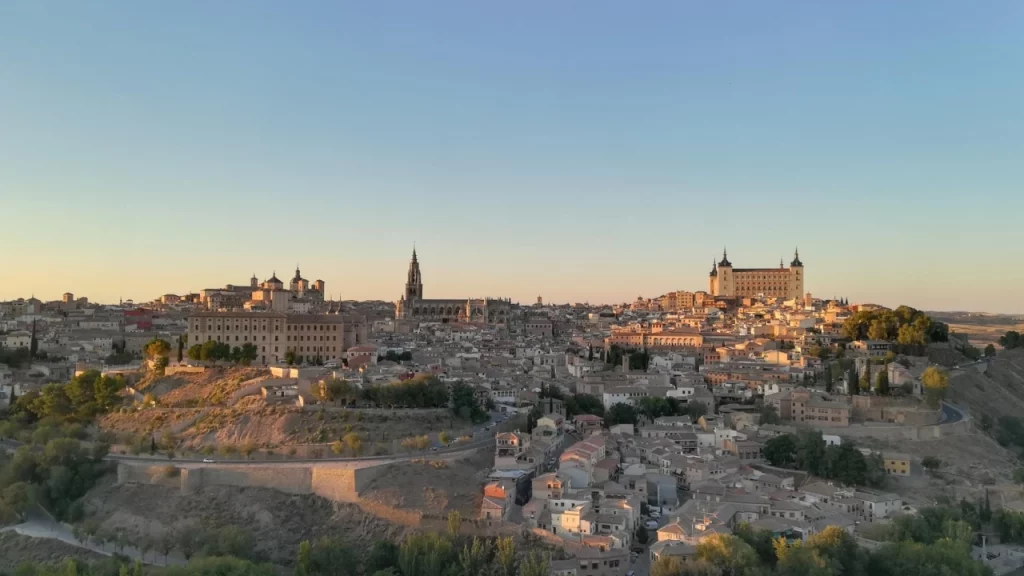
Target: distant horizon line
(545, 303)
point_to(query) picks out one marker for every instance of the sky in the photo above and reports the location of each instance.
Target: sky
(574, 150)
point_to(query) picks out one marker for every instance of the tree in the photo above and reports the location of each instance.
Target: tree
(936, 382)
(829, 383)
(1012, 339)
(583, 404)
(667, 566)
(195, 352)
(160, 364)
(990, 351)
(289, 357)
(428, 554)
(769, 415)
(337, 447)
(473, 560)
(444, 437)
(534, 564)
(505, 557)
(157, 347)
(931, 463)
(985, 422)
(780, 451)
(695, 410)
(354, 443)
(33, 347)
(728, 553)
(382, 556)
(882, 382)
(851, 380)
(454, 523)
(865, 378)
(620, 413)
(641, 535)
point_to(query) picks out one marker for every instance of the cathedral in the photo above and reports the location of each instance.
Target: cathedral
(787, 283)
(412, 305)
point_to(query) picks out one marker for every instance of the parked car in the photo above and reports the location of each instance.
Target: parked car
(208, 460)
(651, 525)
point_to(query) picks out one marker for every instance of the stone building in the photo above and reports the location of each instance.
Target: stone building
(780, 282)
(412, 305)
(310, 336)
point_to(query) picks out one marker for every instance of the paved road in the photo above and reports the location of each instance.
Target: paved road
(950, 414)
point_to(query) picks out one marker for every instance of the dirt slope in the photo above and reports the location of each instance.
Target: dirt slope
(15, 549)
(278, 521)
(999, 391)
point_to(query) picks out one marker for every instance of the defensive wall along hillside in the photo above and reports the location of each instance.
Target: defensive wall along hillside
(341, 482)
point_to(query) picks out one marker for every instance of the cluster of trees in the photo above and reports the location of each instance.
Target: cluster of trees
(638, 359)
(583, 404)
(212, 351)
(938, 541)
(55, 477)
(1012, 339)
(229, 552)
(807, 451)
(393, 356)
(1009, 431)
(420, 392)
(15, 357)
(84, 397)
(910, 328)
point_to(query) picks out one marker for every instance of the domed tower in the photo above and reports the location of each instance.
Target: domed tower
(713, 279)
(726, 282)
(796, 276)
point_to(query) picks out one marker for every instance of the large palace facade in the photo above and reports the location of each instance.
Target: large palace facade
(780, 282)
(412, 305)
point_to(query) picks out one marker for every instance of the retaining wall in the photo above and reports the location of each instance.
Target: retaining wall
(334, 482)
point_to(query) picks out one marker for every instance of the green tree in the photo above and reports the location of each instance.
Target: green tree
(695, 410)
(505, 557)
(990, 351)
(620, 413)
(289, 357)
(865, 378)
(583, 404)
(195, 352)
(780, 450)
(454, 523)
(641, 535)
(382, 556)
(882, 382)
(426, 554)
(729, 554)
(1012, 339)
(534, 564)
(473, 560)
(931, 463)
(769, 415)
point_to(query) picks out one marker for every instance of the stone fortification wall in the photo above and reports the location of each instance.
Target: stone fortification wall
(334, 482)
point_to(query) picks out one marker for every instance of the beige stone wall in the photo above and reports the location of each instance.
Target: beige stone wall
(334, 482)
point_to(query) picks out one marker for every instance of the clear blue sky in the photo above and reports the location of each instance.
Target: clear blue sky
(576, 150)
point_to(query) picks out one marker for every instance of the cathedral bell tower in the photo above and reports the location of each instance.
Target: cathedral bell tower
(414, 282)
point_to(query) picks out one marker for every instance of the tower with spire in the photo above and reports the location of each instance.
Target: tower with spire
(414, 281)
